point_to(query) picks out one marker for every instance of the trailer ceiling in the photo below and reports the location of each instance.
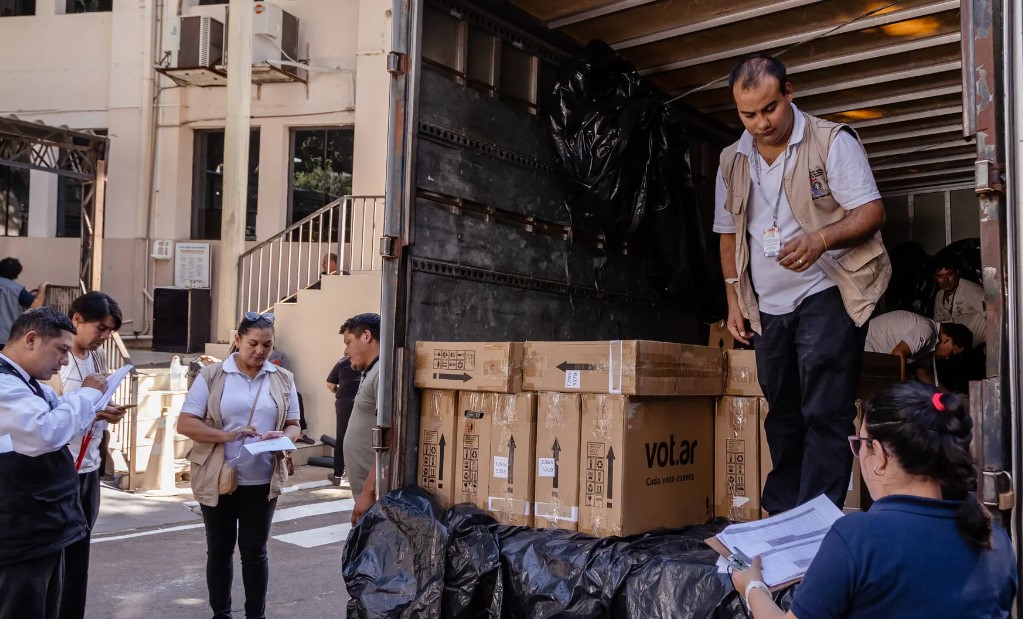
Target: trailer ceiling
(893, 70)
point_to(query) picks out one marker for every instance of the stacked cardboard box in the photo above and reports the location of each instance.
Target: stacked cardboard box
(558, 419)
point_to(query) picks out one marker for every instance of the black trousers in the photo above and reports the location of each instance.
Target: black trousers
(32, 588)
(243, 516)
(76, 556)
(343, 412)
(808, 364)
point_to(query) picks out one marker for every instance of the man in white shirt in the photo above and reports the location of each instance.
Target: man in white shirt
(799, 216)
(959, 300)
(39, 503)
(914, 337)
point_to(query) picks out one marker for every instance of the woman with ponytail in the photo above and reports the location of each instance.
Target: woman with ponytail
(927, 546)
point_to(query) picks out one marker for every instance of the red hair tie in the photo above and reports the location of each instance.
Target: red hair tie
(936, 400)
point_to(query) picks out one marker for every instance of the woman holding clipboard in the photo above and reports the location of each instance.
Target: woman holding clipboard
(95, 316)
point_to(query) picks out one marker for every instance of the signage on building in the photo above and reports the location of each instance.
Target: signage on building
(192, 265)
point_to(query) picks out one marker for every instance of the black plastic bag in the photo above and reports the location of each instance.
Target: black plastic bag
(393, 561)
(473, 585)
(624, 151)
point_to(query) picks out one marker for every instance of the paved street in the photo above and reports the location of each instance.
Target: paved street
(148, 556)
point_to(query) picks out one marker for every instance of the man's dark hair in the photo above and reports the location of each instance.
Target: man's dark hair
(45, 321)
(356, 325)
(960, 334)
(95, 306)
(941, 263)
(749, 71)
(10, 268)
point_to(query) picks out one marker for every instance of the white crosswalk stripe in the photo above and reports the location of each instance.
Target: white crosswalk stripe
(311, 538)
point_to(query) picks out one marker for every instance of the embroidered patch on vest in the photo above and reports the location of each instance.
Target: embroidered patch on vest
(819, 184)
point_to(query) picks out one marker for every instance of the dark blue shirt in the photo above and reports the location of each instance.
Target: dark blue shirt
(906, 558)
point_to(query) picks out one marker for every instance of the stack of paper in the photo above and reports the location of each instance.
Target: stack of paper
(786, 542)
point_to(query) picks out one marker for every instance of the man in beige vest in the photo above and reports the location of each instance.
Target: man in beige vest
(799, 215)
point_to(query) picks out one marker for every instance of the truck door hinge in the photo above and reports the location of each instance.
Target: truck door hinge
(996, 490)
(396, 64)
(987, 177)
(380, 438)
(389, 246)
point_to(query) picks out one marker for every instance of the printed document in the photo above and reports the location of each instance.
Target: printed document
(786, 542)
(113, 382)
(274, 444)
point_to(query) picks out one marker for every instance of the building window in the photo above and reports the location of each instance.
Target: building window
(88, 6)
(12, 8)
(14, 189)
(208, 185)
(321, 169)
(69, 207)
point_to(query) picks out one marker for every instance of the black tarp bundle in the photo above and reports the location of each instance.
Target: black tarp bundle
(405, 559)
(624, 151)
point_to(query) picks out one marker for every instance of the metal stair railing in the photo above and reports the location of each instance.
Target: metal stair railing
(276, 269)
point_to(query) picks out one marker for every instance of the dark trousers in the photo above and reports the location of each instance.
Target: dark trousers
(343, 412)
(301, 414)
(244, 517)
(32, 588)
(808, 364)
(76, 556)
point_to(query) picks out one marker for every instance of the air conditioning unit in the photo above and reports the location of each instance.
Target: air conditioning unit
(196, 46)
(274, 44)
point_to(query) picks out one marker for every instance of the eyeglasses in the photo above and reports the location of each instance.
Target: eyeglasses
(256, 316)
(856, 442)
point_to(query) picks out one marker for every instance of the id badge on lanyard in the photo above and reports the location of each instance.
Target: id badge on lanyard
(772, 241)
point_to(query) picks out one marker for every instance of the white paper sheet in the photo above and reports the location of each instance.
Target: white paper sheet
(786, 542)
(275, 444)
(113, 382)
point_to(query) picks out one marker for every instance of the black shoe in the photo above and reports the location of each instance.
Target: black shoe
(306, 440)
(334, 479)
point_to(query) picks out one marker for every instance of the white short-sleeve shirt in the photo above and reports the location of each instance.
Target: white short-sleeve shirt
(886, 331)
(966, 307)
(72, 376)
(239, 393)
(780, 291)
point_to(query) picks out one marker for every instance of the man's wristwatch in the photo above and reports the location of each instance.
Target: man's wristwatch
(756, 584)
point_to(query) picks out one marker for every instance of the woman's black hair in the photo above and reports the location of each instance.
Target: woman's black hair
(95, 306)
(929, 442)
(247, 325)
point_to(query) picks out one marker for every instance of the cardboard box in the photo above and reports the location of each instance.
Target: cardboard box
(737, 459)
(558, 418)
(469, 366)
(628, 367)
(645, 463)
(766, 464)
(741, 374)
(437, 445)
(474, 420)
(720, 337)
(513, 459)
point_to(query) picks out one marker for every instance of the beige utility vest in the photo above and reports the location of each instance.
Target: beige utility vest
(861, 273)
(208, 458)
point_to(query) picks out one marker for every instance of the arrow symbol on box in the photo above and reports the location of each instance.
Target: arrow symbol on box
(565, 366)
(610, 474)
(440, 471)
(556, 451)
(511, 460)
(462, 377)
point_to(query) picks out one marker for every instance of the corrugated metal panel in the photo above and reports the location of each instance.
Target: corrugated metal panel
(891, 69)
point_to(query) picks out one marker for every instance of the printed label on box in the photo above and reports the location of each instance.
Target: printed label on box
(545, 467)
(428, 468)
(501, 467)
(594, 481)
(470, 463)
(573, 379)
(454, 360)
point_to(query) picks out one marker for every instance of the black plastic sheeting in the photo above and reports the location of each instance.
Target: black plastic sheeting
(624, 151)
(405, 559)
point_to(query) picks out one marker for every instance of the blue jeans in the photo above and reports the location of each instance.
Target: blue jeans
(808, 365)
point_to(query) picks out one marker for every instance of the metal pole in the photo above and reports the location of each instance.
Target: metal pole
(236, 160)
(97, 225)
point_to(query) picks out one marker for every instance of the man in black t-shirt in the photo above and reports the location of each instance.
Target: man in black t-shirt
(343, 382)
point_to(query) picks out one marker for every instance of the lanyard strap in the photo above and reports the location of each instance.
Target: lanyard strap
(776, 203)
(31, 384)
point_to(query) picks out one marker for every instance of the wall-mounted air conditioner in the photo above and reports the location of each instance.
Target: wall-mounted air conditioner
(274, 44)
(196, 46)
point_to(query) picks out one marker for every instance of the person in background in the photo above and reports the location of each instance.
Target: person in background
(328, 264)
(241, 398)
(96, 316)
(927, 546)
(915, 338)
(343, 381)
(362, 346)
(39, 502)
(959, 300)
(14, 299)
